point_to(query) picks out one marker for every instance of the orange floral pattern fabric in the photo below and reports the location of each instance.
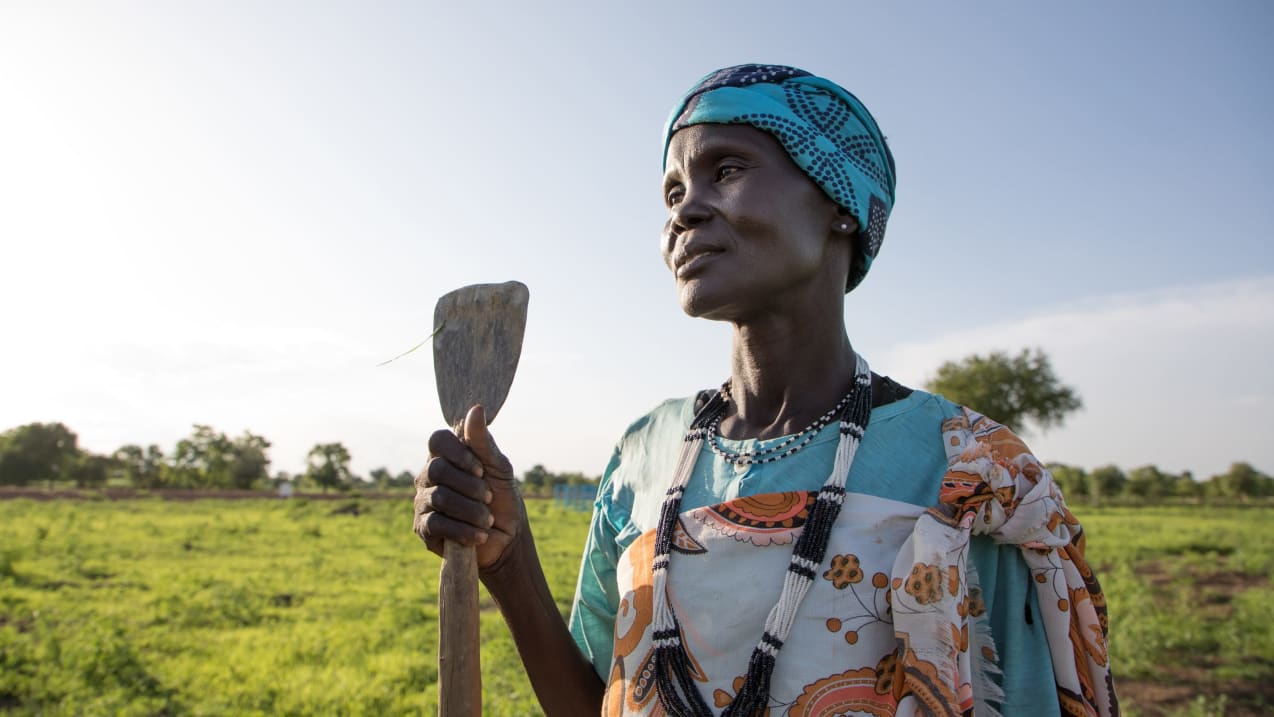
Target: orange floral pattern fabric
(727, 564)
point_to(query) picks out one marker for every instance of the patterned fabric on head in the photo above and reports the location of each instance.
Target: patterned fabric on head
(826, 131)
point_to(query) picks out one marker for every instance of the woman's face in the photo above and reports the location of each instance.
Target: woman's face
(747, 231)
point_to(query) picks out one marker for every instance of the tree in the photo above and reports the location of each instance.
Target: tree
(1008, 389)
(38, 452)
(1187, 487)
(249, 463)
(327, 465)
(1242, 481)
(1150, 482)
(91, 471)
(208, 458)
(574, 479)
(1106, 482)
(536, 478)
(131, 459)
(145, 468)
(1072, 480)
(380, 477)
(383, 479)
(203, 459)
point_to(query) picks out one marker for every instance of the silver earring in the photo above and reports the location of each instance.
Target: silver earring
(844, 226)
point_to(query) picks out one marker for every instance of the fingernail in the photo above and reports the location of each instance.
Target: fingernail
(490, 520)
(477, 470)
(481, 538)
(488, 497)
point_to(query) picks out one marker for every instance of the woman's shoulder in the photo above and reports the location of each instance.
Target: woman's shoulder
(670, 417)
(645, 456)
(652, 439)
(911, 424)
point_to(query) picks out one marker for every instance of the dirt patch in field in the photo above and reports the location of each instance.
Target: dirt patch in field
(348, 509)
(1214, 588)
(21, 624)
(1179, 687)
(1182, 687)
(1217, 576)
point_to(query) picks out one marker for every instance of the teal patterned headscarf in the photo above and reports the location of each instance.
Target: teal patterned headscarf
(826, 131)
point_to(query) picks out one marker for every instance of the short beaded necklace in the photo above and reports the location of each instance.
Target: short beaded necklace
(771, 454)
(674, 682)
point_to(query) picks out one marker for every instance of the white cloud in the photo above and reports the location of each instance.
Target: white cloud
(1176, 377)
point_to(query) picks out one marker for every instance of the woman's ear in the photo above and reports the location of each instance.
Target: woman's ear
(844, 222)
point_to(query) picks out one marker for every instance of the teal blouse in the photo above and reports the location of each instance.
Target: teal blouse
(901, 458)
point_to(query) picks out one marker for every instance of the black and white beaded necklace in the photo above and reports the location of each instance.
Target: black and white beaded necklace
(674, 682)
(776, 451)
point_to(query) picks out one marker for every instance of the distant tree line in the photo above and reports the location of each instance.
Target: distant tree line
(1149, 484)
(538, 480)
(49, 454)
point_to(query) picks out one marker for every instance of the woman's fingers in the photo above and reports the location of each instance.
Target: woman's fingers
(446, 445)
(435, 527)
(442, 472)
(467, 493)
(440, 499)
(451, 496)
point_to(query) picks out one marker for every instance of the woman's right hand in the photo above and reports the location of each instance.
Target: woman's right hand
(467, 493)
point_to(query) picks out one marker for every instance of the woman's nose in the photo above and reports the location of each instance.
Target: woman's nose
(689, 212)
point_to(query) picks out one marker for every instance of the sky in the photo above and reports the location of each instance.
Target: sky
(229, 213)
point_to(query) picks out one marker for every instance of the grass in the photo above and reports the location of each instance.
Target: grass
(246, 607)
(1192, 610)
(147, 607)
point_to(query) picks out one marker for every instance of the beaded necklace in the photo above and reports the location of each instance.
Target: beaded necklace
(771, 454)
(674, 682)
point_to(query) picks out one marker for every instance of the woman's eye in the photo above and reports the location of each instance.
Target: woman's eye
(726, 170)
(674, 195)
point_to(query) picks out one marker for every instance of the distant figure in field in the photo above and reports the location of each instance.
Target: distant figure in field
(811, 538)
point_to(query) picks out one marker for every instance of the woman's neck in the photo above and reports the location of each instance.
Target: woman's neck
(786, 372)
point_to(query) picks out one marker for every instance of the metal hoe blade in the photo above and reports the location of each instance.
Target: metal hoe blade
(477, 344)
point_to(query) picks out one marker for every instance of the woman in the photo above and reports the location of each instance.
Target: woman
(812, 538)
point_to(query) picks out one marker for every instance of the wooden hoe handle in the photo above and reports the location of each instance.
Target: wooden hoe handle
(459, 659)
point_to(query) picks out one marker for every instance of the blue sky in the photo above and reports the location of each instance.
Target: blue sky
(230, 212)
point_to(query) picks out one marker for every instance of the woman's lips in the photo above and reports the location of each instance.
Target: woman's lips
(694, 263)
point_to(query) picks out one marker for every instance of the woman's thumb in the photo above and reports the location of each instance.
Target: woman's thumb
(478, 438)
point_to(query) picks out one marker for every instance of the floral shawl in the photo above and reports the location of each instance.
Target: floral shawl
(945, 654)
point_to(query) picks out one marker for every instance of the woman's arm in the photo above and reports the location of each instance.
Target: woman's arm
(564, 681)
(467, 493)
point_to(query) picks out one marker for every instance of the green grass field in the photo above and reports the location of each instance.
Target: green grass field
(146, 607)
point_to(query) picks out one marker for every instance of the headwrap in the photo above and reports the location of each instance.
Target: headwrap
(826, 131)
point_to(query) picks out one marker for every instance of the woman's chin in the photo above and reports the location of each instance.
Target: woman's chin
(692, 298)
(699, 303)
